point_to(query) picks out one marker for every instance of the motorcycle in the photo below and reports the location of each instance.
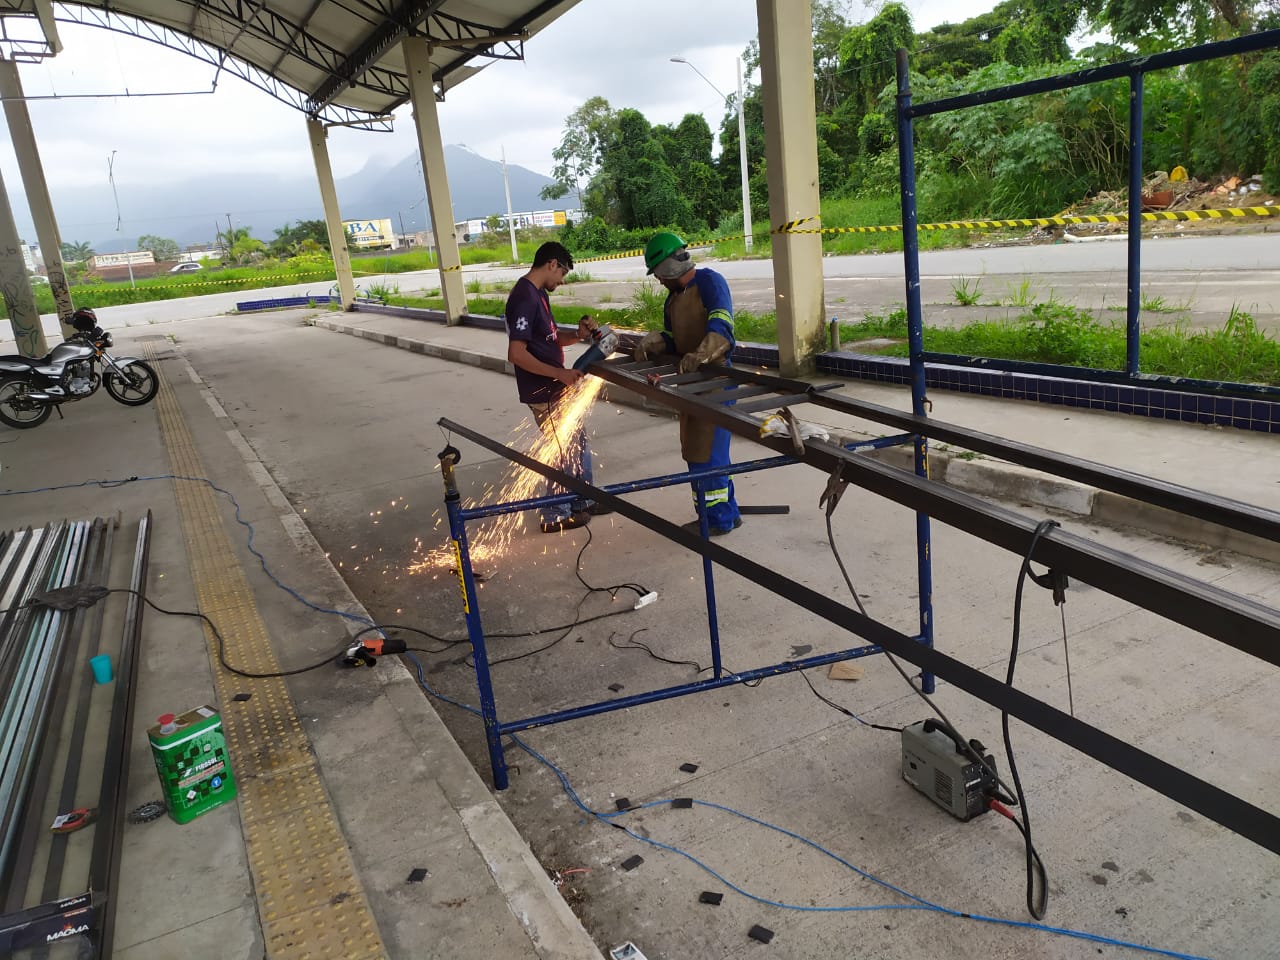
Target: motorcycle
(31, 389)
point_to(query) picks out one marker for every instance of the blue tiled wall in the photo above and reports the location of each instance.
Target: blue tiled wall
(1138, 401)
(1259, 415)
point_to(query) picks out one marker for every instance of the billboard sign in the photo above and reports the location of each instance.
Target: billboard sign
(122, 259)
(369, 233)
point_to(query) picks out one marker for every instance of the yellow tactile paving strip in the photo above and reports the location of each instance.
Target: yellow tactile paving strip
(310, 901)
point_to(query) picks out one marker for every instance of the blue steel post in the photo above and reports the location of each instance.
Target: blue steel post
(713, 624)
(449, 457)
(915, 338)
(1135, 224)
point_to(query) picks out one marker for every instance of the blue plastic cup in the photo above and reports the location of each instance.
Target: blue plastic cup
(101, 665)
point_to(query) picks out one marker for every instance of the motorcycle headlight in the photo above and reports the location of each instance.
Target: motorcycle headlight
(107, 340)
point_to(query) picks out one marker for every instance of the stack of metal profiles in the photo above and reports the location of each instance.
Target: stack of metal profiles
(55, 887)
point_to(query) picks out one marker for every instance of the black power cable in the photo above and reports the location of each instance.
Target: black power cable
(1035, 865)
(1036, 906)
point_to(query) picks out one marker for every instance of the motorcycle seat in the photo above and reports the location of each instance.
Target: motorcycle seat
(14, 360)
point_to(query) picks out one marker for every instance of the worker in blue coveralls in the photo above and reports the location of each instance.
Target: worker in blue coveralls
(697, 321)
(536, 350)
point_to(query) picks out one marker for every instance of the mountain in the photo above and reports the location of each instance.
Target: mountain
(263, 202)
(475, 184)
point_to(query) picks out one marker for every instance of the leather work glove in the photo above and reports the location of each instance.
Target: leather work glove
(651, 345)
(711, 349)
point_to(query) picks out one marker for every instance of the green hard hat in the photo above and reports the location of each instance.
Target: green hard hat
(661, 246)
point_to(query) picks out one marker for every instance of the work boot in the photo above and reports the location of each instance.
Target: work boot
(693, 527)
(579, 519)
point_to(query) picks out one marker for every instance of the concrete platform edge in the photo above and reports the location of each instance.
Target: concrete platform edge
(553, 929)
(981, 476)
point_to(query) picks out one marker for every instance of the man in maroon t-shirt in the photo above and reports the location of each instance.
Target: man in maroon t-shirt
(536, 351)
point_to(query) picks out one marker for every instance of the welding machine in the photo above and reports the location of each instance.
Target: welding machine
(945, 772)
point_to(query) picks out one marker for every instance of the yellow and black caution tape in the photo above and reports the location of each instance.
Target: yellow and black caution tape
(797, 226)
(1190, 215)
(245, 280)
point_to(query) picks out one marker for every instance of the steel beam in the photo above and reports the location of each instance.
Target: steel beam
(1238, 815)
(1247, 625)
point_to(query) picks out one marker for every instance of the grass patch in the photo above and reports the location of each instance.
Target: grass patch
(966, 293)
(643, 313)
(1057, 333)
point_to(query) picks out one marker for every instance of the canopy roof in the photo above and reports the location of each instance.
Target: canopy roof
(337, 60)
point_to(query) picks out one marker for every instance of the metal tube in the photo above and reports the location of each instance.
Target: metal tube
(1226, 616)
(471, 609)
(1265, 40)
(680, 690)
(915, 340)
(1247, 518)
(104, 868)
(634, 486)
(1133, 302)
(708, 579)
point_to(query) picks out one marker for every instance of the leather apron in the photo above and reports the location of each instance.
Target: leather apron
(688, 327)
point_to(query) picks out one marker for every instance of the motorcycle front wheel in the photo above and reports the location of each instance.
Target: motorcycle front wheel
(137, 386)
(16, 413)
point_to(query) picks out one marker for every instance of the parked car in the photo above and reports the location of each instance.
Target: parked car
(189, 266)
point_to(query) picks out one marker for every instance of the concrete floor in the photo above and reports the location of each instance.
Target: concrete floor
(347, 428)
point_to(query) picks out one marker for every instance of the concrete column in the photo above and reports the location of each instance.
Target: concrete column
(24, 318)
(319, 136)
(24, 146)
(417, 58)
(791, 155)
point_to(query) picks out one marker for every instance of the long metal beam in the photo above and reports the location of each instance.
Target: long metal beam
(1245, 517)
(393, 28)
(1238, 815)
(291, 39)
(1237, 621)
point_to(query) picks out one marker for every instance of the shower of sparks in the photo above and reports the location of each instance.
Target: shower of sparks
(488, 545)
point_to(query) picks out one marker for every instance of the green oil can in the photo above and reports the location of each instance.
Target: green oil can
(191, 759)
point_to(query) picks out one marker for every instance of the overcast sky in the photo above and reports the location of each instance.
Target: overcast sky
(618, 49)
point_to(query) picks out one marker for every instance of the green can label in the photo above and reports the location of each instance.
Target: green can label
(191, 759)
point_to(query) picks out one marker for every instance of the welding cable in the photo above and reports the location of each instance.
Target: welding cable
(68, 598)
(1035, 865)
(634, 644)
(1008, 796)
(639, 589)
(108, 484)
(845, 710)
(917, 903)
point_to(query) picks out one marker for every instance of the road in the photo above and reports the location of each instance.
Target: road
(1196, 280)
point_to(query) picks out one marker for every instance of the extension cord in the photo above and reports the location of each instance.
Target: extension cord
(647, 599)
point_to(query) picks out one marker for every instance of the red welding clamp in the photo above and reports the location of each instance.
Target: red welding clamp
(366, 652)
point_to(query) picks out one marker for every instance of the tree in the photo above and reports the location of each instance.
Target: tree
(831, 84)
(162, 248)
(239, 245)
(869, 51)
(1022, 32)
(1163, 24)
(290, 241)
(578, 156)
(75, 252)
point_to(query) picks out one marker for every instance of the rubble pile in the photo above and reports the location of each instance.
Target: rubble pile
(1163, 191)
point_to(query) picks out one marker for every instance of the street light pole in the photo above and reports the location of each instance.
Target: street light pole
(742, 144)
(742, 159)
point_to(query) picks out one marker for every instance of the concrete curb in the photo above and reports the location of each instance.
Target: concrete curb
(552, 927)
(975, 474)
